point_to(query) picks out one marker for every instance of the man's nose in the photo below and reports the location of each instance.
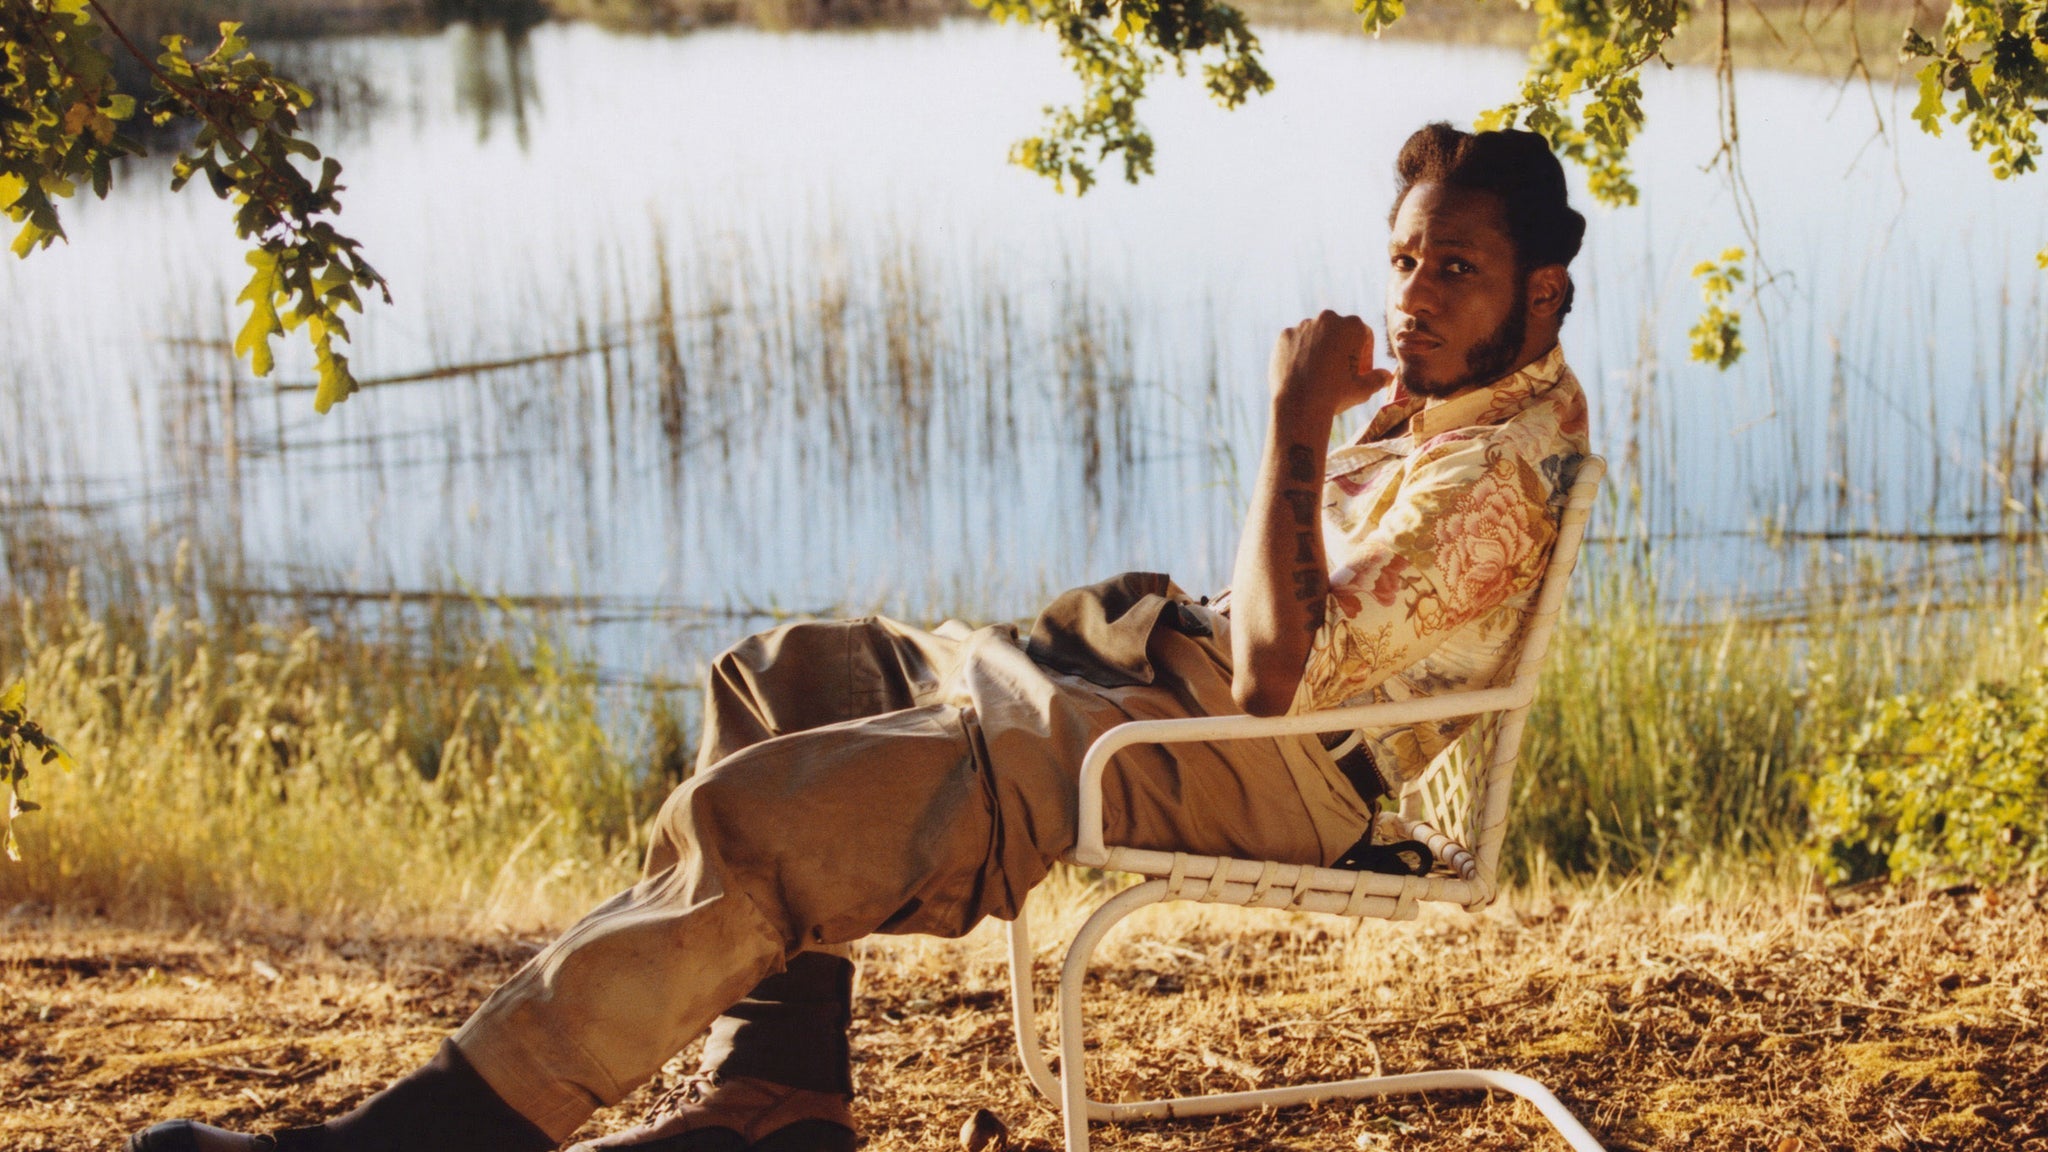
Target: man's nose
(1413, 295)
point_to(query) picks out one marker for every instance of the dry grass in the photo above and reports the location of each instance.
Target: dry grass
(1744, 1018)
(358, 774)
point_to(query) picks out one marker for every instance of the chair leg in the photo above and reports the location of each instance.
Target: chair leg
(1076, 1109)
(1074, 1103)
(1024, 1011)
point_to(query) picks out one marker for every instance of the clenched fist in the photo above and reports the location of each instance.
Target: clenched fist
(1323, 366)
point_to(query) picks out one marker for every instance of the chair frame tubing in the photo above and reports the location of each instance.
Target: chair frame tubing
(1179, 876)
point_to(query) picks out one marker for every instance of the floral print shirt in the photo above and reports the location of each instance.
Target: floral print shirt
(1438, 521)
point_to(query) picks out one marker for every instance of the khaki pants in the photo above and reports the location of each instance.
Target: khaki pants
(866, 776)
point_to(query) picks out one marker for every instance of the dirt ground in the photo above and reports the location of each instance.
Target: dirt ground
(1789, 1023)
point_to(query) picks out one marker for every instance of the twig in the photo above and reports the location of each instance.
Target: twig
(190, 100)
(453, 370)
(1869, 1007)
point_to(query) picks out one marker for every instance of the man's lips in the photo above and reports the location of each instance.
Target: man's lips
(1413, 342)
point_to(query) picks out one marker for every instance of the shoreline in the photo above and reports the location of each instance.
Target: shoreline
(1780, 36)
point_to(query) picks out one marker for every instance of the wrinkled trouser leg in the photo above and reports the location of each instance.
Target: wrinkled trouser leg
(810, 674)
(792, 1027)
(789, 841)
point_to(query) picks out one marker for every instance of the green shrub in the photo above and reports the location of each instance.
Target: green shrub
(1952, 786)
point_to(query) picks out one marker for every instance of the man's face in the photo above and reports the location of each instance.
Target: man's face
(1457, 309)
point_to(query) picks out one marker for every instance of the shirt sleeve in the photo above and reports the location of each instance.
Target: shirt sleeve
(1469, 530)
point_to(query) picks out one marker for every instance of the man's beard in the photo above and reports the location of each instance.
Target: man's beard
(1488, 360)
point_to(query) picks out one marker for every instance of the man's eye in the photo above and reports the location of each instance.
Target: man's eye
(1459, 266)
(1404, 263)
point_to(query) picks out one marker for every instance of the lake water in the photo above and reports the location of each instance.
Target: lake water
(775, 328)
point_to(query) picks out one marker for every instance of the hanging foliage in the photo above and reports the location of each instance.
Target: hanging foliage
(22, 742)
(1116, 48)
(62, 121)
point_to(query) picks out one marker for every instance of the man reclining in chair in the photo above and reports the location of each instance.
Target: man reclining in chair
(866, 776)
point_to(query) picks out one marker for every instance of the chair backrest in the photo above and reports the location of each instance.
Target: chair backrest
(1464, 796)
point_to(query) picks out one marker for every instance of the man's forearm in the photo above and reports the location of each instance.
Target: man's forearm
(1282, 577)
(1320, 367)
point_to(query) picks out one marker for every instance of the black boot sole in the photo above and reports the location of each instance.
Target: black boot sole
(179, 1136)
(170, 1136)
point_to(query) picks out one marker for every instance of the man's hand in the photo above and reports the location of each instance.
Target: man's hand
(1320, 368)
(1325, 364)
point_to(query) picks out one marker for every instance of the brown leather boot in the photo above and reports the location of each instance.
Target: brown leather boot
(777, 1073)
(738, 1114)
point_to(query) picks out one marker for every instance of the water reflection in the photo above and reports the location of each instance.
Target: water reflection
(516, 15)
(494, 76)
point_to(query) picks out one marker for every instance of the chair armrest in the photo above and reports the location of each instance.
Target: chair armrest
(1089, 850)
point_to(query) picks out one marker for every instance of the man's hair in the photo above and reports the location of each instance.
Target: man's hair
(1516, 166)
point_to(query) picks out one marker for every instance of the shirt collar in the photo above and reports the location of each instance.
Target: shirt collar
(1487, 404)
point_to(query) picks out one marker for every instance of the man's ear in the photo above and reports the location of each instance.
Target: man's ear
(1547, 286)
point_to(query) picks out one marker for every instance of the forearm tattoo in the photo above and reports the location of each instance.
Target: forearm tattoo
(1308, 585)
(1301, 464)
(1303, 505)
(1311, 582)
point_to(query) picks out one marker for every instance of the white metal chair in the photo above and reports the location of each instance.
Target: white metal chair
(1456, 808)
